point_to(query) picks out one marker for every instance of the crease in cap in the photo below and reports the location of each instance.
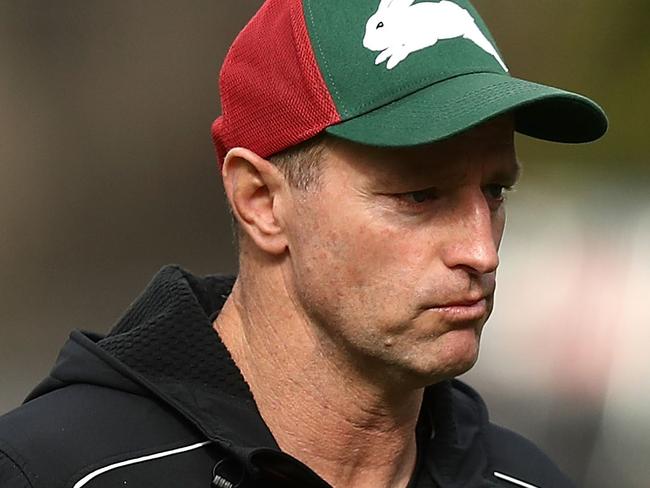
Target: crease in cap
(383, 73)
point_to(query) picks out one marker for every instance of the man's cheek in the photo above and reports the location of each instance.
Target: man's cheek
(373, 259)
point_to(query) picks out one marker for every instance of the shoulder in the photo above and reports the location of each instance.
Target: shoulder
(510, 455)
(71, 432)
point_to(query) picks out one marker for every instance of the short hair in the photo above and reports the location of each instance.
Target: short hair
(301, 164)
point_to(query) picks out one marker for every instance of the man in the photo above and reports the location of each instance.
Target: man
(365, 149)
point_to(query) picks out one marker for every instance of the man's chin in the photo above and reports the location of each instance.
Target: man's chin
(456, 353)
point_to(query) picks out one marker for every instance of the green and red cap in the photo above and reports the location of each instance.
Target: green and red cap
(385, 73)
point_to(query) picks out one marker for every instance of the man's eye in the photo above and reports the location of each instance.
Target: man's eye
(496, 192)
(420, 196)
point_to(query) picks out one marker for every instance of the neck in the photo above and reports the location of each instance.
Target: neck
(319, 407)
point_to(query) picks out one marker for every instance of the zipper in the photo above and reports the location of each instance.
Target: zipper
(228, 468)
(221, 482)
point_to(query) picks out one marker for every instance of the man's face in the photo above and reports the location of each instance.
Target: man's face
(394, 255)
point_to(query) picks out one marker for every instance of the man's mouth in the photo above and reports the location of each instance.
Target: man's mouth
(463, 310)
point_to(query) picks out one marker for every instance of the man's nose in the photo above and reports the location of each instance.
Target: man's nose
(474, 240)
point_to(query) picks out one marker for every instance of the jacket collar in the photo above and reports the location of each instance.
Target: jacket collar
(167, 342)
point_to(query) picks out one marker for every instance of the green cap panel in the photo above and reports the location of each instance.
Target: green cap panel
(372, 52)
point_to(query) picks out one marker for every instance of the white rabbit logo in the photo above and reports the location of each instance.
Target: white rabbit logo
(399, 28)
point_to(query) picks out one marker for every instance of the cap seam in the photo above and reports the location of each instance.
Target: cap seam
(415, 91)
(325, 68)
(322, 89)
(494, 97)
(417, 82)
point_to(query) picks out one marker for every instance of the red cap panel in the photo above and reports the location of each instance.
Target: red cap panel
(273, 95)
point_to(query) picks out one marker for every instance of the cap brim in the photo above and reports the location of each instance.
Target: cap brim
(455, 105)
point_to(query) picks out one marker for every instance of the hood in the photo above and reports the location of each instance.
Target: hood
(164, 347)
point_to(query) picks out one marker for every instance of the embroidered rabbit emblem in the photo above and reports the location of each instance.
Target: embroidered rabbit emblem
(400, 27)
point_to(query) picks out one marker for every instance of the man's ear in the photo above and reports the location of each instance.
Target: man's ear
(253, 186)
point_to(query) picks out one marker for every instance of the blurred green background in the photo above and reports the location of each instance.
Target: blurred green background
(107, 172)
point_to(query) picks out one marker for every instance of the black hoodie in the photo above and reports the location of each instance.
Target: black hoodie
(160, 403)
